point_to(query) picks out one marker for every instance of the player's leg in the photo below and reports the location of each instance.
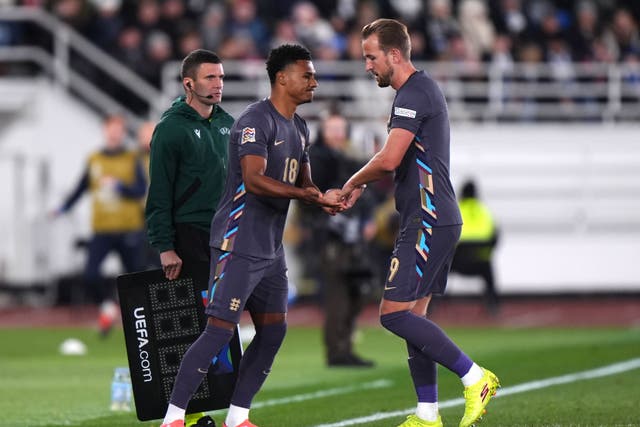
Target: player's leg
(423, 371)
(98, 248)
(232, 280)
(430, 259)
(268, 307)
(96, 285)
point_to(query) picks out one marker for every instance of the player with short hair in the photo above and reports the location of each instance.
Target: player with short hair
(268, 166)
(417, 150)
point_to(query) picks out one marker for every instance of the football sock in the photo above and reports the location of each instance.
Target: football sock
(173, 413)
(236, 416)
(427, 411)
(428, 338)
(196, 362)
(473, 376)
(423, 373)
(256, 362)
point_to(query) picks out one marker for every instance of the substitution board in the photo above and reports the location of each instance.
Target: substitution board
(161, 318)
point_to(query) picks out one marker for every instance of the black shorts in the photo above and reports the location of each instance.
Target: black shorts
(237, 282)
(420, 262)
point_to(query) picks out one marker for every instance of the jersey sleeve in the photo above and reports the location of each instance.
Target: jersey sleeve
(252, 134)
(410, 109)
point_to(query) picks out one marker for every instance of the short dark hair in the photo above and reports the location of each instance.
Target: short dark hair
(196, 58)
(284, 55)
(391, 34)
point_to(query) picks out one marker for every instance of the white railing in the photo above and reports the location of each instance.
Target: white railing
(607, 93)
(57, 64)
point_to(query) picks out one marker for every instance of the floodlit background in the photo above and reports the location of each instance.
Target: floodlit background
(543, 99)
(544, 105)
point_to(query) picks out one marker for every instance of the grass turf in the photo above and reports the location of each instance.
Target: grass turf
(41, 388)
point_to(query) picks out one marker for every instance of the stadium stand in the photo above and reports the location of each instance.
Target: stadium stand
(542, 97)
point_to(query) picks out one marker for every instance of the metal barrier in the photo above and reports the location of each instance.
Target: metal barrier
(476, 92)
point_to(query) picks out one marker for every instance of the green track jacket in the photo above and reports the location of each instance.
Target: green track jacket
(187, 170)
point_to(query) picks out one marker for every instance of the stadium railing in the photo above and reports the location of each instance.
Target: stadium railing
(67, 46)
(476, 92)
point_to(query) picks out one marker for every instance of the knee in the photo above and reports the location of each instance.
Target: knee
(272, 334)
(392, 321)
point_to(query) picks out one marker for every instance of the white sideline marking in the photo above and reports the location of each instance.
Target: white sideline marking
(318, 394)
(604, 371)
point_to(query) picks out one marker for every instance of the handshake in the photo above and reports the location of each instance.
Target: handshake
(337, 200)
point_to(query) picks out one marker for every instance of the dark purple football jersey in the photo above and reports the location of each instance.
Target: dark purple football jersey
(245, 223)
(423, 189)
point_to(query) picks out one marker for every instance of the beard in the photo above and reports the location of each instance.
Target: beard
(384, 79)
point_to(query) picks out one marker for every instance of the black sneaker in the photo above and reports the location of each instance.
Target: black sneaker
(350, 360)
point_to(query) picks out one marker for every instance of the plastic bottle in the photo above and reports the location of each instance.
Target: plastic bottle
(121, 392)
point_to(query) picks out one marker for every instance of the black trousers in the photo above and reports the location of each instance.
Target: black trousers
(192, 246)
(346, 289)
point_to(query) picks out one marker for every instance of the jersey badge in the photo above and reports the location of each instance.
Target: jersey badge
(248, 135)
(404, 112)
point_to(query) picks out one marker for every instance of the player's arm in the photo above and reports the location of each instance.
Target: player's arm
(304, 178)
(382, 163)
(256, 182)
(81, 187)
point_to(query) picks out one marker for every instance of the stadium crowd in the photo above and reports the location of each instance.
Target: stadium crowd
(144, 34)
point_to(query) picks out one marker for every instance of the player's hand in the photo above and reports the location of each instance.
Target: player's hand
(351, 194)
(333, 195)
(310, 195)
(171, 264)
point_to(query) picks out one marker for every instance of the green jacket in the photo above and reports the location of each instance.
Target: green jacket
(188, 168)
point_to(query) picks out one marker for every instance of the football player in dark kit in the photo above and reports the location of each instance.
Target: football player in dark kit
(417, 150)
(268, 166)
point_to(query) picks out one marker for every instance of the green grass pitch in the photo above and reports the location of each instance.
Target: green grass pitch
(39, 387)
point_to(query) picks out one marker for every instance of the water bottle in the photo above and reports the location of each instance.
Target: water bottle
(121, 392)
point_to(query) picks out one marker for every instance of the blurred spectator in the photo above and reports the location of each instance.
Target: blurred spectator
(311, 29)
(531, 56)
(477, 29)
(148, 15)
(410, 12)
(622, 37)
(79, 14)
(115, 179)
(509, 18)
(631, 76)
(158, 50)
(284, 33)
(242, 46)
(212, 26)
(441, 27)
(245, 24)
(474, 252)
(174, 19)
(585, 32)
(335, 246)
(107, 24)
(129, 48)
(367, 11)
(189, 41)
(501, 56)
